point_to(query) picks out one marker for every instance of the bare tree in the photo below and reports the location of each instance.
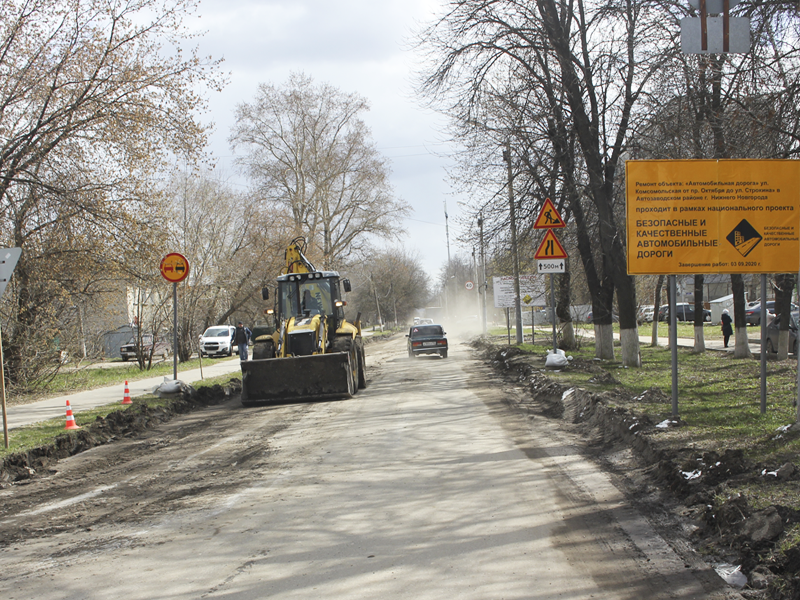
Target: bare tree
(94, 100)
(728, 106)
(395, 277)
(233, 246)
(592, 63)
(308, 151)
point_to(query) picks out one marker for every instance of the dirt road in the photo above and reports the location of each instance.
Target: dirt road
(425, 486)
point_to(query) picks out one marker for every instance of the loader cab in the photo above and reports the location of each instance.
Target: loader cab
(309, 294)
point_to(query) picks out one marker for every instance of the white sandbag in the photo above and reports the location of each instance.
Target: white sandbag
(169, 386)
(556, 360)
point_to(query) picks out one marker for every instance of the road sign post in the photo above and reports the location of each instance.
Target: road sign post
(8, 261)
(175, 268)
(550, 257)
(712, 216)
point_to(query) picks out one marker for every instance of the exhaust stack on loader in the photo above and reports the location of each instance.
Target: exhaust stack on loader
(312, 352)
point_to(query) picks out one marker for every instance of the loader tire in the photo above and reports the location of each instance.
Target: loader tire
(362, 367)
(345, 344)
(263, 350)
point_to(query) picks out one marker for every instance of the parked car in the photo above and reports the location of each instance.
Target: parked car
(427, 339)
(162, 348)
(773, 330)
(684, 311)
(645, 314)
(590, 317)
(217, 341)
(752, 314)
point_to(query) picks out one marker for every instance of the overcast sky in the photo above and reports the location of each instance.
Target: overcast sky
(358, 46)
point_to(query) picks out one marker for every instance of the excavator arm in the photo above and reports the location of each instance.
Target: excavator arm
(296, 262)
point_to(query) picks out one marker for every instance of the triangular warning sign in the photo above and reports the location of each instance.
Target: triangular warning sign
(548, 217)
(550, 248)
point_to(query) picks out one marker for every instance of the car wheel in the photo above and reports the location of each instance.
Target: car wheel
(443, 353)
(124, 359)
(707, 318)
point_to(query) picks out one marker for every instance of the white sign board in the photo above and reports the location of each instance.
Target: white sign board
(8, 260)
(738, 35)
(529, 285)
(713, 7)
(551, 266)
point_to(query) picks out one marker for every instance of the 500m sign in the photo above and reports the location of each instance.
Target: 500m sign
(713, 216)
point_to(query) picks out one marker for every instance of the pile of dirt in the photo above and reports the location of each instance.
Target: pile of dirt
(689, 485)
(121, 423)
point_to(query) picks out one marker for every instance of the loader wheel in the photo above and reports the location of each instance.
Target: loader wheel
(362, 371)
(345, 344)
(264, 350)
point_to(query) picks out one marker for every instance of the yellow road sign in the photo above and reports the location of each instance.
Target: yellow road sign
(550, 247)
(713, 216)
(174, 267)
(548, 218)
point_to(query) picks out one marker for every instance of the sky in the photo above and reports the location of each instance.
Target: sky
(358, 46)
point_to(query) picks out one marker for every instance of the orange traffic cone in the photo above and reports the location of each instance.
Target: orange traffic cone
(126, 397)
(71, 424)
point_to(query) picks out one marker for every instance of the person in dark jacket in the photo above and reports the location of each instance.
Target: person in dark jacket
(241, 337)
(727, 329)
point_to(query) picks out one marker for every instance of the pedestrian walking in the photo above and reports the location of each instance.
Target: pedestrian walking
(727, 330)
(241, 337)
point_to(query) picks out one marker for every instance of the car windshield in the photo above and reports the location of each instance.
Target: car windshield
(424, 330)
(216, 332)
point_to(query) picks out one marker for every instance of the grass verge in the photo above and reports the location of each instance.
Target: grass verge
(82, 379)
(22, 439)
(719, 404)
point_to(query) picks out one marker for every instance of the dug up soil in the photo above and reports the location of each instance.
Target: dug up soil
(119, 424)
(687, 488)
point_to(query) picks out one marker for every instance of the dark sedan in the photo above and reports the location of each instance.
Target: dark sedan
(427, 339)
(683, 311)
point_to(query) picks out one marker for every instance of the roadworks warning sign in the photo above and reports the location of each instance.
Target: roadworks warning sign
(713, 216)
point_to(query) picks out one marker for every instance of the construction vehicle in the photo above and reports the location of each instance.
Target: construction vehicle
(311, 351)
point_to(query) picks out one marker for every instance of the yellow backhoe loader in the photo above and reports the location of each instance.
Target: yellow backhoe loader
(312, 352)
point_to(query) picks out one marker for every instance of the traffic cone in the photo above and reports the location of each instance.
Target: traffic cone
(71, 424)
(126, 397)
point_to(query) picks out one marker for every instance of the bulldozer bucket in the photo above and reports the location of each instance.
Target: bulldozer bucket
(318, 376)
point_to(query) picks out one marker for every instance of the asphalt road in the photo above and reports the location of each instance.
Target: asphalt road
(424, 486)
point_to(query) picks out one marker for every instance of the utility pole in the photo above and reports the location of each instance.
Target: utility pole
(485, 284)
(514, 255)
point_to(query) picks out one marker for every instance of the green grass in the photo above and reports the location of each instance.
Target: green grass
(76, 380)
(719, 397)
(719, 403)
(22, 439)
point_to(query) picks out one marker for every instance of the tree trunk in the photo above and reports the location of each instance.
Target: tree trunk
(562, 311)
(784, 285)
(699, 318)
(656, 307)
(742, 347)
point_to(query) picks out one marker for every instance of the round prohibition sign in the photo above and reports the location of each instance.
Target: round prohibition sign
(174, 267)
(469, 285)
